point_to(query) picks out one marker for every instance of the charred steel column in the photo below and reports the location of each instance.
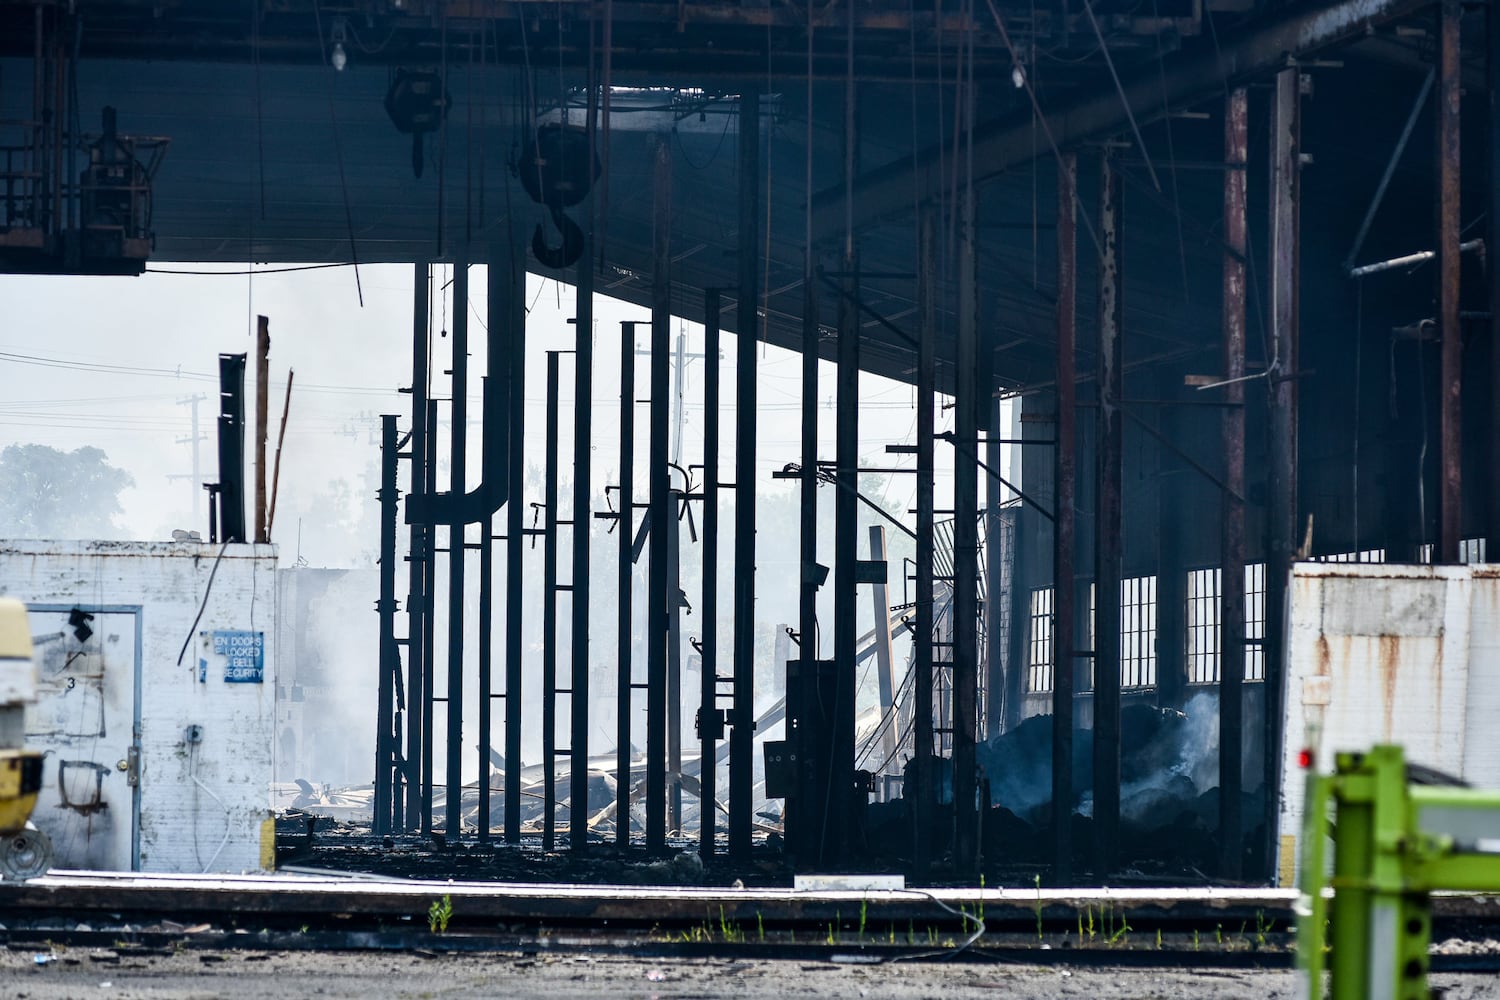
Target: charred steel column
(1107, 528)
(624, 582)
(1062, 531)
(515, 541)
(661, 519)
(1282, 501)
(921, 796)
(417, 693)
(1450, 413)
(583, 423)
(549, 614)
(996, 656)
(1492, 70)
(838, 752)
(709, 725)
(453, 758)
(1232, 538)
(429, 627)
(747, 325)
(966, 545)
(809, 653)
(386, 747)
(1171, 574)
(486, 658)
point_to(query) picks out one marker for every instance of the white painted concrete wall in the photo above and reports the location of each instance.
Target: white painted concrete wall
(203, 806)
(1385, 653)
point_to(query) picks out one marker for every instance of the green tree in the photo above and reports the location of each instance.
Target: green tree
(47, 493)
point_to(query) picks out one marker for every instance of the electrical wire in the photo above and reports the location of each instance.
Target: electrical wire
(207, 589)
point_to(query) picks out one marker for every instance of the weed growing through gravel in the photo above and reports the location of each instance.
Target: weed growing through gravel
(439, 913)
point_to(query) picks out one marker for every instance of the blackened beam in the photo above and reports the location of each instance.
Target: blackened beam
(1108, 526)
(457, 459)
(1232, 536)
(1492, 70)
(965, 665)
(625, 581)
(549, 610)
(1450, 391)
(747, 322)
(583, 422)
(416, 603)
(1065, 472)
(662, 522)
(710, 727)
(386, 737)
(1186, 77)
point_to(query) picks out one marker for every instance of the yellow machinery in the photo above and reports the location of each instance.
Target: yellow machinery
(25, 851)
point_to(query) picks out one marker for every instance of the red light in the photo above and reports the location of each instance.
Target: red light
(1305, 758)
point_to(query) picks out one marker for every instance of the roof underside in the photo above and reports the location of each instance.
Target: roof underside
(277, 157)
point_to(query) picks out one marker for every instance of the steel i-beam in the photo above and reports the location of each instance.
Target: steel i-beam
(549, 613)
(922, 797)
(515, 550)
(659, 477)
(417, 693)
(1450, 394)
(747, 323)
(457, 459)
(1064, 477)
(1232, 538)
(966, 545)
(625, 647)
(709, 724)
(1108, 524)
(386, 738)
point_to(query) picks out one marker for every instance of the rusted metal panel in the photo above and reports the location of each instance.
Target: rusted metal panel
(1392, 653)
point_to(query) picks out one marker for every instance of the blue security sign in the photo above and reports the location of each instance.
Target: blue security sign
(242, 653)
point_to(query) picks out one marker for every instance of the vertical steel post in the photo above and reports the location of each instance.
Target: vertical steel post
(746, 330)
(262, 418)
(661, 519)
(921, 797)
(417, 693)
(515, 541)
(390, 656)
(583, 423)
(1282, 502)
(1232, 538)
(709, 729)
(486, 664)
(996, 656)
(1492, 75)
(966, 544)
(837, 757)
(1108, 524)
(625, 582)
(1450, 395)
(457, 466)
(549, 613)
(1171, 573)
(1062, 531)
(675, 499)
(429, 628)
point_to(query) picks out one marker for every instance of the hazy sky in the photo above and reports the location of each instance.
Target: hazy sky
(112, 362)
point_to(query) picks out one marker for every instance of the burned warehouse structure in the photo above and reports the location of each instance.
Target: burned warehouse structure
(1178, 293)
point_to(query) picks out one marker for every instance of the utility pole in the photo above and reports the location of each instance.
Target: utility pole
(680, 360)
(194, 438)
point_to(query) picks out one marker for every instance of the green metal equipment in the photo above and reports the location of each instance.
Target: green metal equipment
(1396, 841)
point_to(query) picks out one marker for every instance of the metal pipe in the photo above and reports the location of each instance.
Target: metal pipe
(1108, 525)
(885, 667)
(1390, 168)
(1062, 529)
(965, 670)
(1410, 260)
(1232, 535)
(390, 657)
(662, 521)
(549, 613)
(922, 797)
(1285, 191)
(457, 466)
(1450, 394)
(747, 325)
(624, 582)
(709, 727)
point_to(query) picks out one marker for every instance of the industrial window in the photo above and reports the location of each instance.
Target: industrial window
(1471, 550)
(1203, 626)
(1367, 556)
(1255, 622)
(1138, 631)
(1039, 660)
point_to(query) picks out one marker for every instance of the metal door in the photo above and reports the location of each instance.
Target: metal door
(86, 720)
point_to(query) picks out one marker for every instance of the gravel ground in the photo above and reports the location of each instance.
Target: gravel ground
(79, 973)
